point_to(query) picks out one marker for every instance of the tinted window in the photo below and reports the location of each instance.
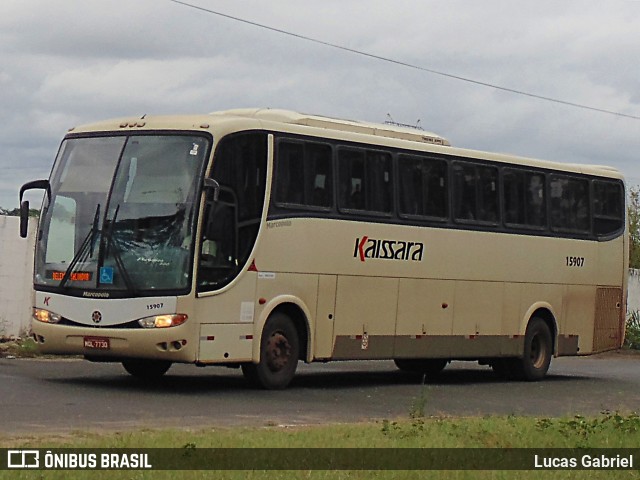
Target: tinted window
(608, 207)
(231, 223)
(569, 204)
(524, 198)
(475, 193)
(365, 180)
(423, 186)
(304, 174)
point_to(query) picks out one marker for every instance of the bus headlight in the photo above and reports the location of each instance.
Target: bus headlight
(163, 321)
(46, 316)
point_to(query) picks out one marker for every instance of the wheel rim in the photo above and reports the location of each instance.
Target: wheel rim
(278, 352)
(538, 352)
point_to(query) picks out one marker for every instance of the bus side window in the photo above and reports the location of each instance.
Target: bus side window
(487, 194)
(319, 175)
(351, 170)
(303, 175)
(513, 186)
(608, 207)
(424, 186)
(464, 187)
(290, 185)
(570, 204)
(436, 184)
(378, 167)
(535, 200)
(475, 193)
(365, 180)
(524, 198)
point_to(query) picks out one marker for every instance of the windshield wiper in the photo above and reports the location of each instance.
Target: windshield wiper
(111, 246)
(86, 249)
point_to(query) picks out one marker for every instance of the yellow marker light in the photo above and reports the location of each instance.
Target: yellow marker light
(163, 321)
(46, 316)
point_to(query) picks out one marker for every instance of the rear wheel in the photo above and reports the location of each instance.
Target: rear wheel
(146, 369)
(279, 352)
(427, 366)
(538, 349)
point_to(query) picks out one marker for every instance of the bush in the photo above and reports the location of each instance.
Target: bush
(632, 331)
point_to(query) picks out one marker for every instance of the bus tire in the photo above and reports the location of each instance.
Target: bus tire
(146, 369)
(279, 352)
(538, 349)
(427, 366)
(505, 367)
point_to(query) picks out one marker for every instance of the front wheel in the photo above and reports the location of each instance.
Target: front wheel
(146, 369)
(538, 349)
(279, 352)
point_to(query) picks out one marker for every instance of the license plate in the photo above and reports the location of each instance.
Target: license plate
(97, 343)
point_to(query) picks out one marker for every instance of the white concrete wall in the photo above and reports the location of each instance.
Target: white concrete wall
(16, 277)
(633, 295)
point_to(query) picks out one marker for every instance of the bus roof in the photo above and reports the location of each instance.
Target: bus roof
(385, 134)
(383, 130)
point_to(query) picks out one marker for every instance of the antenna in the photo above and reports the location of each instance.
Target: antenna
(391, 121)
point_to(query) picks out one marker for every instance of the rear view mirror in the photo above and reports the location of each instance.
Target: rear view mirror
(211, 184)
(24, 204)
(24, 218)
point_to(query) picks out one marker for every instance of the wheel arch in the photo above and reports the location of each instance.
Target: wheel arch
(546, 313)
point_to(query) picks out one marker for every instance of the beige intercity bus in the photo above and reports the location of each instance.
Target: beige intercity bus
(257, 238)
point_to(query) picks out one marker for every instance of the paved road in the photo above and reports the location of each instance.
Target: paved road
(45, 396)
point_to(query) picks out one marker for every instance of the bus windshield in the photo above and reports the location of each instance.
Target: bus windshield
(122, 214)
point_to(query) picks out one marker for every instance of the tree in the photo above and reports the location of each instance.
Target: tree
(33, 212)
(633, 211)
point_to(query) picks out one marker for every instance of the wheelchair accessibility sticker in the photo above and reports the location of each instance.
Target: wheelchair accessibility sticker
(106, 275)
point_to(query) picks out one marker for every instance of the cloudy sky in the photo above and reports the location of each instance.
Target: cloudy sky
(68, 62)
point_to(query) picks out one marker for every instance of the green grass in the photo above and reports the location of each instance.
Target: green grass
(608, 430)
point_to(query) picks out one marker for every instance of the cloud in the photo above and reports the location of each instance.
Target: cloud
(76, 61)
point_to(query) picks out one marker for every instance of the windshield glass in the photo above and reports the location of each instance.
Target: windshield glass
(121, 216)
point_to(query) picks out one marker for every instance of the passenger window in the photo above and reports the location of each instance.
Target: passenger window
(290, 166)
(378, 182)
(304, 175)
(475, 193)
(424, 186)
(608, 207)
(569, 204)
(365, 180)
(524, 199)
(319, 177)
(351, 165)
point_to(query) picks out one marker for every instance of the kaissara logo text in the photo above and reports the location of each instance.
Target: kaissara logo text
(387, 249)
